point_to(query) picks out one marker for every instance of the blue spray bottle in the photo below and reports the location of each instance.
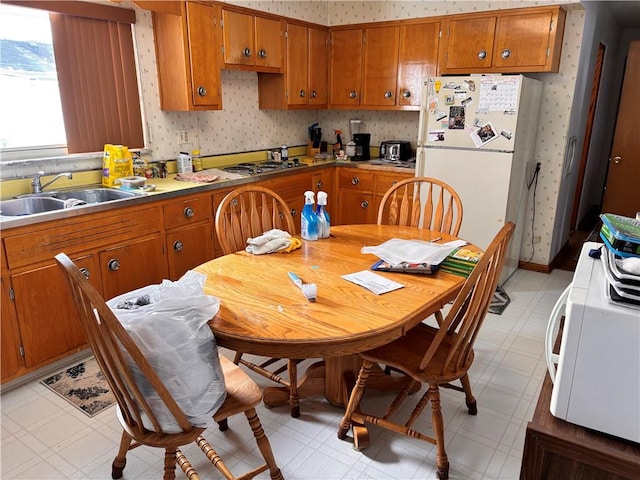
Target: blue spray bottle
(324, 223)
(309, 219)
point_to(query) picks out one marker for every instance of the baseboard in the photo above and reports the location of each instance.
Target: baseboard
(535, 267)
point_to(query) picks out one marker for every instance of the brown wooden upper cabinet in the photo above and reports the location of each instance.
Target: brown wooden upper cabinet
(509, 41)
(417, 58)
(252, 42)
(380, 77)
(186, 36)
(345, 71)
(304, 83)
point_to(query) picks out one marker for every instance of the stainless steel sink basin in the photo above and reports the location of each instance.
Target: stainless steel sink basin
(30, 206)
(95, 195)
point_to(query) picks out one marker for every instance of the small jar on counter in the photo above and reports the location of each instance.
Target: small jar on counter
(162, 169)
(197, 161)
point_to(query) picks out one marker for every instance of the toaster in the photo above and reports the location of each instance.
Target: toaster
(395, 150)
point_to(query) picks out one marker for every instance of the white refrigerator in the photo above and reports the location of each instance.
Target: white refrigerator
(477, 133)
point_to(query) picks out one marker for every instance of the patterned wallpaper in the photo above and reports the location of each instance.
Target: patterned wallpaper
(242, 127)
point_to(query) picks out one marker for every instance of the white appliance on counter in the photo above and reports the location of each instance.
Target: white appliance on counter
(596, 383)
(477, 133)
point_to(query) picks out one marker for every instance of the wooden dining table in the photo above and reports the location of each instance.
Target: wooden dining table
(263, 313)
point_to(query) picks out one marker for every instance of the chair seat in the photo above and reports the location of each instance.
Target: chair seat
(242, 392)
(405, 354)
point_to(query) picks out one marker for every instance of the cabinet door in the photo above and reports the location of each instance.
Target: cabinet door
(49, 324)
(205, 67)
(238, 38)
(384, 181)
(417, 58)
(318, 66)
(297, 65)
(269, 43)
(468, 45)
(380, 71)
(135, 265)
(188, 248)
(522, 41)
(10, 359)
(346, 67)
(354, 207)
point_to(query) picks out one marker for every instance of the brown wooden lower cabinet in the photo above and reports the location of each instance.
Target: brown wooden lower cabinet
(558, 450)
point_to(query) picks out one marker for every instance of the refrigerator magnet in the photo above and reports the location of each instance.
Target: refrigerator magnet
(506, 134)
(436, 136)
(456, 118)
(449, 99)
(440, 115)
(467, 101)
(483, 134)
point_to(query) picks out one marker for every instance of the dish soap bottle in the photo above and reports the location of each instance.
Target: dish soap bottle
(324, 224)
(309, 219)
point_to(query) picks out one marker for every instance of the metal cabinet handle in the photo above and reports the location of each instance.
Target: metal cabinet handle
(482, 54)
(617, 160)
(314, 94)
(353, 94)
(319, 184)
(85, 272)
(364, 204)
(188, 212)
(406, 94)
(178, 246)
(355, 181)
(262, 53)
(246, 52)
(387, 94)
(113, 265)
(202, 91)
(302, 94)
(294, 212)
(506, 53)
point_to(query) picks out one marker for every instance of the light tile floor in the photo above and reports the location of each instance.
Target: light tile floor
(45, 438)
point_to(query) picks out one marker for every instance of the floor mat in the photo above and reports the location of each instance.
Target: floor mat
(83, 386)
(499, 302)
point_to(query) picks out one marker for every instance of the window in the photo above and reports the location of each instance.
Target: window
(93, 55)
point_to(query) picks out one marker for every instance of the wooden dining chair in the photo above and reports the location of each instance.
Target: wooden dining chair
(248, 212)
(431, 356)
(422, 202)
(116, 354)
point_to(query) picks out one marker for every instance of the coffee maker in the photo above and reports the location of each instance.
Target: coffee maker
(362, 141)
(358, 148)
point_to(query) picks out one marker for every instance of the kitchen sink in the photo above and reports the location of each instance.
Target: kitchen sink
(52, 201)
(95, 195)
(30, 206)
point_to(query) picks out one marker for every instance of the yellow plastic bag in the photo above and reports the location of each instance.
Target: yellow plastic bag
(117, 163)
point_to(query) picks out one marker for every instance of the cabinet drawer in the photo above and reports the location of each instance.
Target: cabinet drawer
(384, 181)
(81, 234)
(356, 179)
(187, 212)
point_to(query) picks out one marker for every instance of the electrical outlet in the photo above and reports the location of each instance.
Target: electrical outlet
(182, 137)
(536, 239)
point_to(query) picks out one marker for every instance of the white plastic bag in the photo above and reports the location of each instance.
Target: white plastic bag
(168, 322)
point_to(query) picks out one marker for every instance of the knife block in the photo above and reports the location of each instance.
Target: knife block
(312, 151)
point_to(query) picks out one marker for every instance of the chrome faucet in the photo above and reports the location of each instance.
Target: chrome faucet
(37, 187)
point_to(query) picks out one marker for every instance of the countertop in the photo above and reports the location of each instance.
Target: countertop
(170, 187)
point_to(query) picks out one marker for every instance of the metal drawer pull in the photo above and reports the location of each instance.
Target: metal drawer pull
(188, 212)
(202, 91)
(85, 272)
(482, 54)
(355, 181)
(319, 184)
(246, 52)
(314, 94)
(113, 265)
(353, 94)
(301, 93)
(387, 94)
(406, 94)
(262, 53)
(506, 53)
(364, 204)
(294, 212)
(177, 246)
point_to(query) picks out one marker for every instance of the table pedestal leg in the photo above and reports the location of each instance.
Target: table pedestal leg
(310, 384)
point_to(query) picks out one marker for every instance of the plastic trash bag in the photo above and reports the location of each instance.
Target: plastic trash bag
(168, 322)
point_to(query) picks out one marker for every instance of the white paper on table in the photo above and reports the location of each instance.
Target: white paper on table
(397, 251)
(372, 281)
